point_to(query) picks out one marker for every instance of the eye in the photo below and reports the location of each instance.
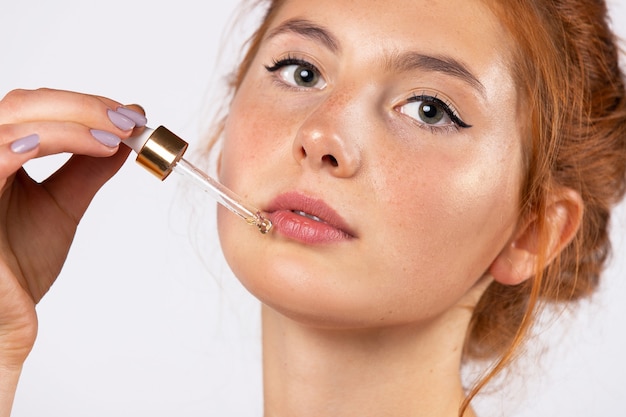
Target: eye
(431, 112)
(298, 73)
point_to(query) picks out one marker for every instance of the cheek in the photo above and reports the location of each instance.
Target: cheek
(239, 149)
(253, 135)
(254, 159)
(448, 220)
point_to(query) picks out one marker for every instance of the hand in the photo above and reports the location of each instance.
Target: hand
(38, 220)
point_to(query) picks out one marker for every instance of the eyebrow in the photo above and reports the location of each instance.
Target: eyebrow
(403, 62)
(309, 30)
(409, 61)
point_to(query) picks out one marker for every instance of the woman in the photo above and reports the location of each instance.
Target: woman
(427, 191)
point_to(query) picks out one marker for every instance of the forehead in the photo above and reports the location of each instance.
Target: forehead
(434, 22)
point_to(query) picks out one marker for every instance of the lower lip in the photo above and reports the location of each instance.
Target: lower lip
(303, 229)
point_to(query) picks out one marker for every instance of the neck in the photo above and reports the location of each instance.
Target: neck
(402, 371)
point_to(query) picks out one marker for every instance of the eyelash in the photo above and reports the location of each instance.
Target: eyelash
(278, 64)
(446, 107)
(288, 60)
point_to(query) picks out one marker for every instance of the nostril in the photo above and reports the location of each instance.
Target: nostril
(331, 160)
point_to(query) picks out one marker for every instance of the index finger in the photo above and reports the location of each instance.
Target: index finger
(22, 106)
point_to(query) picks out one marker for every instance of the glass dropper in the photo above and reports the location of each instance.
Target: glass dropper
(160, 151)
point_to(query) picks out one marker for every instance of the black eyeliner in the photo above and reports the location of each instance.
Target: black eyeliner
(444, 106)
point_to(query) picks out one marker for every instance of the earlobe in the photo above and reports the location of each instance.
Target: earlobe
(518, 260)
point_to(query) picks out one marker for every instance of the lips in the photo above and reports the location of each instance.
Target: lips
(307, 220)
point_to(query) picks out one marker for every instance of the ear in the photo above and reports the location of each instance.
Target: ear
(517, 261)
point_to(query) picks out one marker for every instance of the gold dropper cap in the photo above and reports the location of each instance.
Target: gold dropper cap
(161, 152)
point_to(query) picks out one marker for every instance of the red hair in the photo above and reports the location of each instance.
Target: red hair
(566, 65)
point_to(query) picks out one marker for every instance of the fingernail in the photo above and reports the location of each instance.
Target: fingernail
(25, 144)
(121, 121)
(105, 138)
(139, 119)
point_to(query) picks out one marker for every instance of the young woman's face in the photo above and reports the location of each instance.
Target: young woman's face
(382, 139)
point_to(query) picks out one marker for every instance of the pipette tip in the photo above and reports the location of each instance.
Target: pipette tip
(264, 225)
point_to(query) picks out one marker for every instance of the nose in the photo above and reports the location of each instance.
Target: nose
(327, 142)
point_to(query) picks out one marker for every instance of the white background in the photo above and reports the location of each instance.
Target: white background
(146, 319)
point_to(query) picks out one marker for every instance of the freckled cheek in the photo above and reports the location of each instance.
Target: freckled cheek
(478, 206)
(484, 189)
(246, 145)
(466, 203)
(250, 137)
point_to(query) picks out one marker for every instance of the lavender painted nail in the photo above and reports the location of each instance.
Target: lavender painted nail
(105, 138)
(121, 121)
(139, 119)
(25, 144)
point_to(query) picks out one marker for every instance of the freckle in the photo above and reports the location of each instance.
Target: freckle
(339, 100)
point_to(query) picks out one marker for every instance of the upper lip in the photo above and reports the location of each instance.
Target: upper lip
(295, 201)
